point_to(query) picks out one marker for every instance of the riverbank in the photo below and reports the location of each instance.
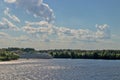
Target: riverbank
(17, 61)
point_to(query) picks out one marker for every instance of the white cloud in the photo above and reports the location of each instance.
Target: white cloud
(12, 17)
(5, 24)
(103, 31)
(29, 29)
(35, 7)
(41, 27)
(10, 1)
(41, 23)
(40, 30)
(22, 38)
(46, 29)
(36, 34)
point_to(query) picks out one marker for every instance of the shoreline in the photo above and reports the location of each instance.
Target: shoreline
(16, 61)
(21, 60)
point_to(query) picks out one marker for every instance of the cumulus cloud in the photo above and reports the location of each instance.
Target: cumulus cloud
(5, 24)
(38, 27)
(35, 7)
(103, 31)
(38, 24)
(46, 29)
(12, 17)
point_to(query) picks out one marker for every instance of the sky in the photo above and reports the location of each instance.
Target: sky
(60, 24)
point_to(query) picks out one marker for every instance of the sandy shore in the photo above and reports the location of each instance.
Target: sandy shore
(11, 62)
(18, 61)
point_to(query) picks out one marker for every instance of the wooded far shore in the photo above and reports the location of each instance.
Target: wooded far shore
(16, 53)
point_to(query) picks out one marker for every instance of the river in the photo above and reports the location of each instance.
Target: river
(60, 69)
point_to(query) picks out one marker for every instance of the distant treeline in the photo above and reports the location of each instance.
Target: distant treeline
(15, 49)
(69, 53)
(84, 54)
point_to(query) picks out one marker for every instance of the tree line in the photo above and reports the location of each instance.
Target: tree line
(8, 55)
(85, 54)
(14, 53)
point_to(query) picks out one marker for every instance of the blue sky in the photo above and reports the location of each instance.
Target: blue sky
(56, 24)
(85, 12)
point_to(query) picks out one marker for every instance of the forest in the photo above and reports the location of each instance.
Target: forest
(84, 54)
(14, 53)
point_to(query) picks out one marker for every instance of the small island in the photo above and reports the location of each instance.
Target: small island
(7, 54)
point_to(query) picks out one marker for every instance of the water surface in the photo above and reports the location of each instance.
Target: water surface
(61, 69)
